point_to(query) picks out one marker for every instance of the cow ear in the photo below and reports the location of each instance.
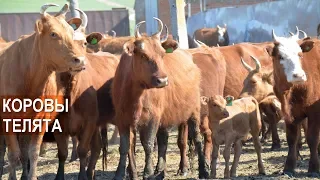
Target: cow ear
(204, 100)
(128, 48)
(75, 23)
(94, 38)
(170, 45)
(307, 46)
(38, 26)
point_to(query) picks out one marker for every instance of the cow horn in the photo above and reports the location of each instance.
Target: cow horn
(297, 32)
(304, 34)
(136, 30)
(225, 25)
(166, 35)
(258, 65)
(218, 45)
(44, 8)
(291, 33)
(197, 44)
(274, 36)
(201, 43)
(218, 27)
(245, 65)
(83, 17)
(160, 29)
(63, 11)
(114, 34)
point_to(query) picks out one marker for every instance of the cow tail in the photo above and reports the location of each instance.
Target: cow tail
(104, 138)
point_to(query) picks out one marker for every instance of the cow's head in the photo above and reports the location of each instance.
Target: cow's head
(55, 40)
(221, 33)
(287, 55)
(147, 55)
(258, 83)
(216, 106)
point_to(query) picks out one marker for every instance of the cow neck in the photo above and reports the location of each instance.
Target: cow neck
(41, 80)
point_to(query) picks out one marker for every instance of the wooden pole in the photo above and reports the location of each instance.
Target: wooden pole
(178, 23)
(204, 5)
(189, 8)
(151, 9)
(201, 9)
(74, 4)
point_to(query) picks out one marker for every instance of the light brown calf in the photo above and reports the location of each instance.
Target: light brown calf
(230, 124)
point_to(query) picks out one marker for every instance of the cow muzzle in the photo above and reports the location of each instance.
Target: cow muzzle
(299, 77)
(78, 64)
(160, 82)
(225, 114)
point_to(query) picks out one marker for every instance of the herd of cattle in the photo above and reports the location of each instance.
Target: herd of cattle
(146, 84)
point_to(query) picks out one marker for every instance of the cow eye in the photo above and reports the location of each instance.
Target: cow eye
(253, 82)
(85, 43)
(54, 35)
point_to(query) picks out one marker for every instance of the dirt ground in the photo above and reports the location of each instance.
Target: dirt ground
(247, 169)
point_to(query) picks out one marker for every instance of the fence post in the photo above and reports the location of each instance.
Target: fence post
(151, 9)
(178, 23)
(73, 5)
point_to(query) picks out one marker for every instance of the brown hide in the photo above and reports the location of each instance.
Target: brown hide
(236, 73)
(209, 36)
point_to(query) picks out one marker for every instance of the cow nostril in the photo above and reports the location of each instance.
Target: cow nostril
(295, 75)
(76, 60)
(159, 81)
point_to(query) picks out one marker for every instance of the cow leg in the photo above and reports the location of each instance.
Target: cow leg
(237, 153)
(162, 137)
(275, 137)
(34, 149)
(226, 156)
(62, 144)
(313, 141)
(194, 132)
(13, 154)
(207, 138)
(23, 143)
(258, 149)
(43, 149)
(83, 149)
(147, 137)
(74, 154)
(96, 146)
(124, 148)
(292, 140)
(215, 156)
(182, 144)
(132, 160)
(114, 137)
(2, 153)
(264, 128)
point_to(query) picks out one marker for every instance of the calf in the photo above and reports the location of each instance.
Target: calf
(230, 123)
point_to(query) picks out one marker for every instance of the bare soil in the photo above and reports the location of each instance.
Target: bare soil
(247, 169)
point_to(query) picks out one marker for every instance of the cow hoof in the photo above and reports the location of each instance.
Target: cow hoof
(182, 172)
(313, 174)
(289, 174)
(275, 147)
(262, 173)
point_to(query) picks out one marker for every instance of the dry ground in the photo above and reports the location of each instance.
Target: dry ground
(247, 169)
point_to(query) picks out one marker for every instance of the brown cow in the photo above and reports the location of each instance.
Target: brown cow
(47, 51)
(230, 124)
(152, 91)
(212, 36)
(296, 73)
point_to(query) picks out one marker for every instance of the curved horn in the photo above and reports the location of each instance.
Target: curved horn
(245, 65)
(83, 17)
(201, 43)
(114, 34)
(136, 30)
(218, 45)
(218, 27)
(274, 36)
(44, 8)
(197, 44)
(258, 65)
(297, 32)
(225, 25)
(160, 29)
(63, 11)
(291, 33)
(166, 35)
(304, 34)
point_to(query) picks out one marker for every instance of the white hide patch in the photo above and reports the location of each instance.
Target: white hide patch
(78, 36)
(221, 32)
(290, 60)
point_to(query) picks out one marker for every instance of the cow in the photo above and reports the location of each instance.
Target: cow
(41, 56)
(148, 87)
(212, 36)
(295, 69)
(2, 40)
(230, 123)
